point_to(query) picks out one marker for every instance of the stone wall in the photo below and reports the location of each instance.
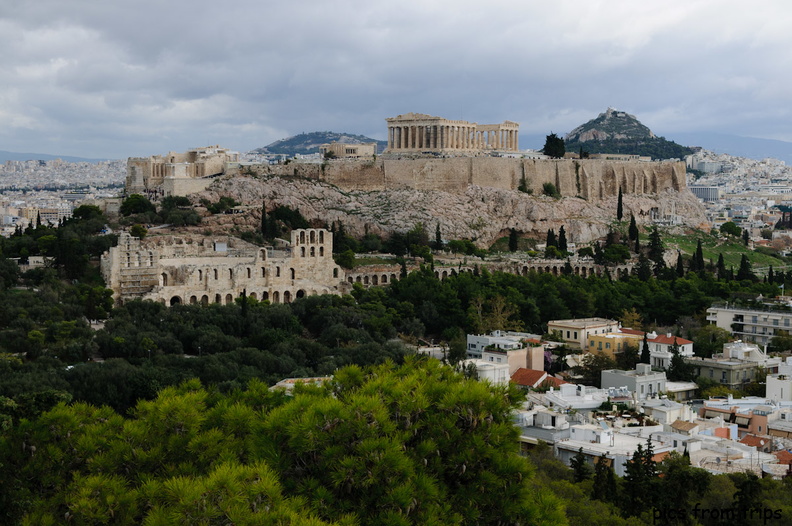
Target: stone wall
(591, 179)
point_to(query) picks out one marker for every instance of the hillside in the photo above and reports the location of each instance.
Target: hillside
(619, 132)
(307, 143)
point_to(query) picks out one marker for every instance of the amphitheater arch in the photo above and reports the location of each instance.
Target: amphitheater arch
(175, 301)
(375, 280)
(287, 297)
(218, 298)
(276, 297)
(204, 300)
(164, 279)
(313, 236)
(265, 296)
(384, 279)
(253, 295)
(229, 299)
(193, 300)
(300, 294)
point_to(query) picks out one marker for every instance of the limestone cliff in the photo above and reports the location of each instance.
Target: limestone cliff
(482, 214)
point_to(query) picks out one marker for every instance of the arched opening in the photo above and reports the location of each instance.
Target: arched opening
(276, 297)
(193, 300)
(263, 272)
(175, 301)
(291, 271)
(248, 273)
(287, 297)
(384, 278)
(358, 279)
(230, 274)
(200, 275)
(302, 252)
(164, 279)
(218, 298)
(321, 252)
(204, 300)
(253, 295)
(350, 279)
(229, 299)
(215, 273)
(321, 236)
(365, 280)
(335, 272)
(313, 252)
(277, 272)
(444, 275)
(302, 237)
(375, 280)
(300, 294)
(393, 277)
(264, 296)
(313, 237)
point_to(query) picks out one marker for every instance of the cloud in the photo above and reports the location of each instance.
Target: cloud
(137, 77)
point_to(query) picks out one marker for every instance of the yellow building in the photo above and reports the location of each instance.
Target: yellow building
(612, 343)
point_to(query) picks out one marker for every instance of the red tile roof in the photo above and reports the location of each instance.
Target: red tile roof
(534, 378)
(665, 339)
(754, 441)
(634, 332)
(783, 456)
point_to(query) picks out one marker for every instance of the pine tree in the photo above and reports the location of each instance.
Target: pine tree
(644, 268)
(580, 467)
(562, 240)
(619, 207)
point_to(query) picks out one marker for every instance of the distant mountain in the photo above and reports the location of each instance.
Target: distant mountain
(306, 143)
(619, 132)
(738, 146)
(15, 156)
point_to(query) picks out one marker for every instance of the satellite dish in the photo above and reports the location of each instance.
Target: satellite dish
(717, 460)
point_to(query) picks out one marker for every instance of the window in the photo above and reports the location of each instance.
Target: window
(607, 345)
(575, 333)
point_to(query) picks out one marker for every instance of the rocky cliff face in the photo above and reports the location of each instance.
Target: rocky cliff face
(482, 214)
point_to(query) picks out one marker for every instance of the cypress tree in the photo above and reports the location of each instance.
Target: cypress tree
(699, 257)
(439, 238)
(721, 267)
(680, 266)
(646, 356)
(551, 239)
(513, 240)
(562, 240)
(632, 232)
(619, 207)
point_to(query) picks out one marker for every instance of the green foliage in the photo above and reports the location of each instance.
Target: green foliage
(554, 146)
(222, 205)
(550, 189)
(730, 229)
(138, 231)
(136, 204)
(415, 443)
(345, 259)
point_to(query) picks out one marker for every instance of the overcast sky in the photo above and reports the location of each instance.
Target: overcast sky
(120, 78)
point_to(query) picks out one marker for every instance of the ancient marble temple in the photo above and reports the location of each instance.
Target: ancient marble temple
(417, 132)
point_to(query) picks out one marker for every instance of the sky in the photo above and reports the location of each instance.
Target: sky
(120, 78)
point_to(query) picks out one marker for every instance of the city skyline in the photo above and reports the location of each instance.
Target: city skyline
(140, 78)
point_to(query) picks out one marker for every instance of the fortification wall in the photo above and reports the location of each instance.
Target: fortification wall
(591, 179)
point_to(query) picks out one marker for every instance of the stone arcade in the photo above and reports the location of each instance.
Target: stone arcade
(183, 269)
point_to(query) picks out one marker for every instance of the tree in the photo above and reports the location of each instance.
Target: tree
(513, 240)
(746, 239)
(551, 239)
(628, 358)
(605, 487)
(730, 229)
(562, 240)
(549, 189)
(721, 267)
(646, 356)
(346, 259)
(656, 249)
(136, 204)
(619, 207)
(632, 231)
(697, 263)
(580, 466)
(746, 271)
(439, 238)
(680, 266)
(554, 146)
(639, 480)
(138, 231)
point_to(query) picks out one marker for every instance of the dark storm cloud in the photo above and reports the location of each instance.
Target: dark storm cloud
(137, 78)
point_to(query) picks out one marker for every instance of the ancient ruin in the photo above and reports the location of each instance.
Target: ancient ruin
(196, 269)
(177, 173)
(417, 132)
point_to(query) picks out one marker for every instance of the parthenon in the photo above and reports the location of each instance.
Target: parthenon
(417, 132)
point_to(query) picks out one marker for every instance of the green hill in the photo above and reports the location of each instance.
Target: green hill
(307, 143)
(619, 132)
